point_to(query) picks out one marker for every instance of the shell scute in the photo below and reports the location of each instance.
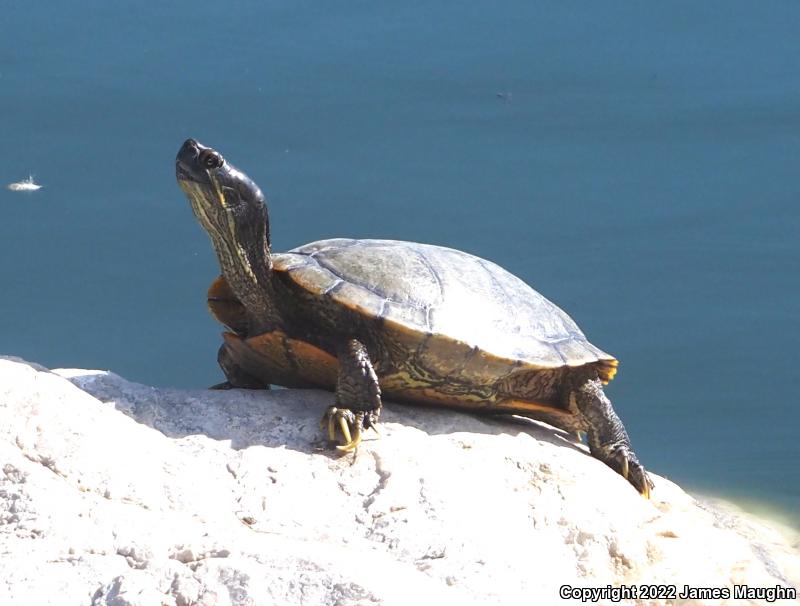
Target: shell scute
(479, 316)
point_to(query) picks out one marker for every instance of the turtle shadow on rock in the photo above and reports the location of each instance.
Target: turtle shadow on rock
(283, 417)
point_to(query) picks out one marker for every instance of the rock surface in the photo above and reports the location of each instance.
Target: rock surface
(114, 493)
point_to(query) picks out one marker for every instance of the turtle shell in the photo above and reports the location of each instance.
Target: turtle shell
(453, 300)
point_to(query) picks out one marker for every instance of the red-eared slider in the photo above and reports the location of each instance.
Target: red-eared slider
(413, 322)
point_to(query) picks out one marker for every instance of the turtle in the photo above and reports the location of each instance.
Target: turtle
(414, 323)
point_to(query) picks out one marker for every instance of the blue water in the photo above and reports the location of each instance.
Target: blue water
(637, 163)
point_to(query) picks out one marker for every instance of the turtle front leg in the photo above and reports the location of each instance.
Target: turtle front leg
(358, 397)
(606, 435)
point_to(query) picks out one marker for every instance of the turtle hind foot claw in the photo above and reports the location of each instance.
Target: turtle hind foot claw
(222, 386)
(349, 424)
(622, 460)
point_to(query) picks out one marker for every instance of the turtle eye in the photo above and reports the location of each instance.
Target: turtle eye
(210, 158)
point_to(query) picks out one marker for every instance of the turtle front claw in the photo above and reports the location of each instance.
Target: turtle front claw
(358, 397)
(621, 459)
(350, 424)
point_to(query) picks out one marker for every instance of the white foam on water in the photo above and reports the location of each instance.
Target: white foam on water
(25, 185)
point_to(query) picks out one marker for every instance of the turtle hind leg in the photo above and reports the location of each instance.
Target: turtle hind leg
(606, 435)
(236, 377)
(358, 397)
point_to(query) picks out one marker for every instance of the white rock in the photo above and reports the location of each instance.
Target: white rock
(113, 493)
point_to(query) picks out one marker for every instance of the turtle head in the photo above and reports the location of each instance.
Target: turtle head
(233, 211)
(225, 200)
